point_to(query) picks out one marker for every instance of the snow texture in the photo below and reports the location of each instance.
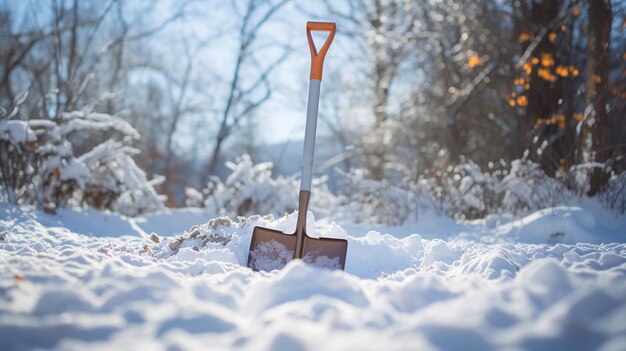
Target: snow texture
(112, 168)
(270, 255)
(16, 132)
(51, 175)
(86, 120)
(78, 280)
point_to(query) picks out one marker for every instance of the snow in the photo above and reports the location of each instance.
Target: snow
(113, 169)
(270, 255)
(84, 279)
(76, 171)
(565, 224)
(84, 120)
(16, 131)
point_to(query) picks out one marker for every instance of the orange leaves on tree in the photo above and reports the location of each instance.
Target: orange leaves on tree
(547, 60)
(512, 99)
(528, 68)
(556, 119)
(524, 37)
(576, 10)
(578, 116)
(552, 37)
(474, 61)
(561, 120)
(562, 71)
(596, 79)
(545, 74)
(544, 71)
(517, 100)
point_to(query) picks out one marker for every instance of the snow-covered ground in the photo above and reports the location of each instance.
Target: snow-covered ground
(78, 280)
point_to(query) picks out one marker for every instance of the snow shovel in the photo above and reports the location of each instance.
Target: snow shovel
(272, 249)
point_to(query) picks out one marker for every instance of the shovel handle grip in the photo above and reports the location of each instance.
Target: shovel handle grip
(317, 58)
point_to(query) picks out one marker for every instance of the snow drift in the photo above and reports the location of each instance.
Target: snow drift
(478, 289)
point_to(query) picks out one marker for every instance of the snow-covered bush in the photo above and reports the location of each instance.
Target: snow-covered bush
(193, 198)
(251, 189)
(467, 192)
(464, 191)
(117, 183)
(614, 197)
(39, 165)
(90, 122)
(60, 177)
(18, 152)
(528, 188)
(370, 201)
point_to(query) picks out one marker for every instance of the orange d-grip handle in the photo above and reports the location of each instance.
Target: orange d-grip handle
(317, 58)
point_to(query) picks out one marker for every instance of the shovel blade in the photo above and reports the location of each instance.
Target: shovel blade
(325, 252)
(272, 249)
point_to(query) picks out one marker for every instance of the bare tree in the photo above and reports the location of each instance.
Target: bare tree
(382, 36)
(245, 95)
(423, 96)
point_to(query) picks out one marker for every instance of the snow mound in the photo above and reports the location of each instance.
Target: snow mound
(559, 224)
(63, 289)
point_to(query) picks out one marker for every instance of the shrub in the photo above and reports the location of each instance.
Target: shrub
(39, 165)
(367, 200)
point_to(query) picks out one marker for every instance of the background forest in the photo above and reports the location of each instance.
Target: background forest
(482, 107)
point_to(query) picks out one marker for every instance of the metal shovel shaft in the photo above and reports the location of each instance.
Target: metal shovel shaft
(309, 135)
(307, 163)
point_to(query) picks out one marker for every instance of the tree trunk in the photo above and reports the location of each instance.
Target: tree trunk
(543, 95)
(593, 136)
